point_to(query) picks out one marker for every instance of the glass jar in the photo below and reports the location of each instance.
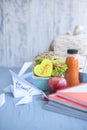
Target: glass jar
(72, 73)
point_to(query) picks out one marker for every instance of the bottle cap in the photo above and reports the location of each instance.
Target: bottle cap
(72, 51)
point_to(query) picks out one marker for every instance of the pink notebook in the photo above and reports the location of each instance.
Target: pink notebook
(77, 94)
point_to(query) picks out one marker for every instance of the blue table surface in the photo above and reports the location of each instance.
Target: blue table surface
(32, 116)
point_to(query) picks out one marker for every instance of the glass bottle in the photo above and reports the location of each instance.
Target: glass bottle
(72, 73)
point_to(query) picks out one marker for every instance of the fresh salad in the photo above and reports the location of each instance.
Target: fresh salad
(58, 64)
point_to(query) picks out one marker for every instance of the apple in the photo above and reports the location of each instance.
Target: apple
(56, 83)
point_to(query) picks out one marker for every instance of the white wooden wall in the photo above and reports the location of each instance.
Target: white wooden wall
(28, 26)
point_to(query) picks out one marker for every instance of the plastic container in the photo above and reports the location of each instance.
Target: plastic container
(82, 77)
(40, 83)
(72, 73)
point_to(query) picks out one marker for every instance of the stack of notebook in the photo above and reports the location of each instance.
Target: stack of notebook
(71, 101)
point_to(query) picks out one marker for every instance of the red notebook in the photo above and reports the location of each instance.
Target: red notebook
(64, 101)
(77, 94)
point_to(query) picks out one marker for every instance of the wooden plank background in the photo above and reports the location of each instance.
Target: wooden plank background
(27, 27)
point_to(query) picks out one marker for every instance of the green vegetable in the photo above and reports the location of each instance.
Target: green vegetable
(59, 70)
(59, 66)
(38, 61)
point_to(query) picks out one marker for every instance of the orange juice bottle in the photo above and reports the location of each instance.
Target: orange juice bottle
(72, 73)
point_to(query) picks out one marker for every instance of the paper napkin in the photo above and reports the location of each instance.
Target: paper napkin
(2, 99)
(21, 88)
(27, 99)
